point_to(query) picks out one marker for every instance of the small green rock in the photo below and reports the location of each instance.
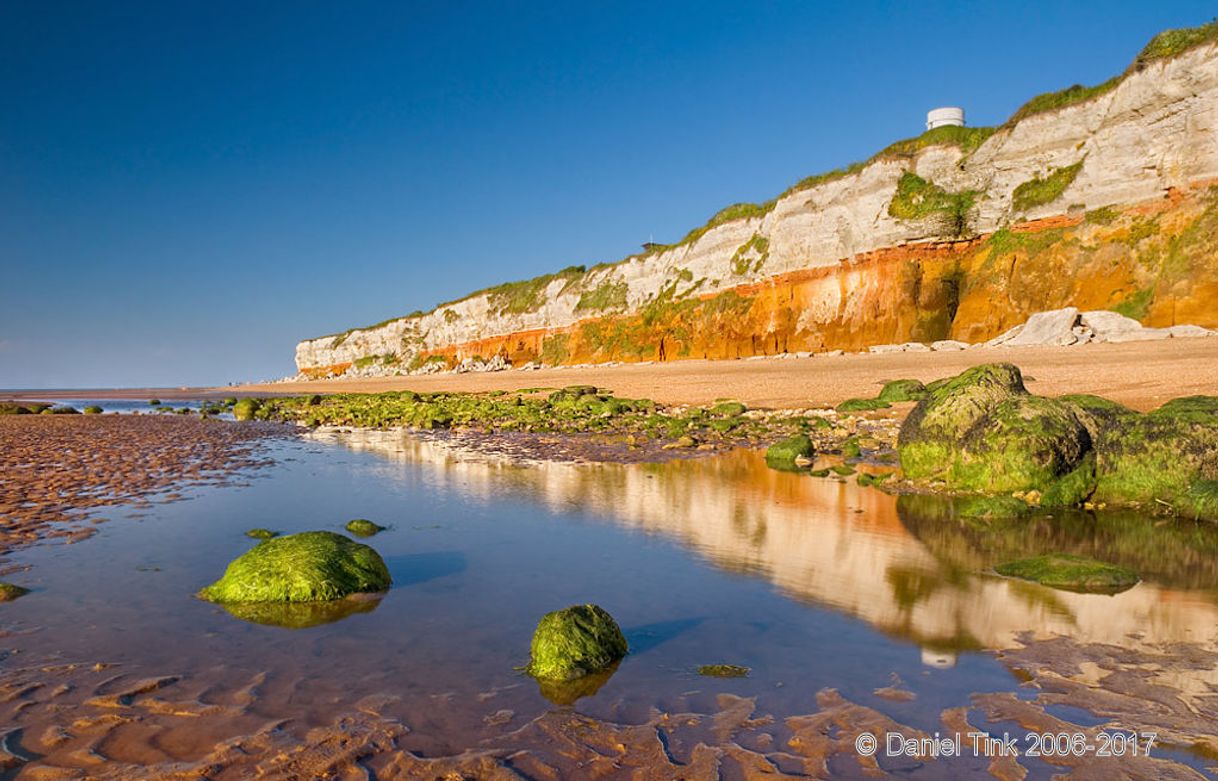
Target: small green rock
(574, 642)
(729, 409)
(724, 671)
(363, 527)
(305, 567)
(784, 452)
(851, 449)
(842, 469)
(902, 390)
(246, 409)
(1071, 573)
(93, 409)
(862, 405)
(261, 534)
(9, 592)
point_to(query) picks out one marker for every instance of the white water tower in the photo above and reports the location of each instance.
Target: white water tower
(948, 115)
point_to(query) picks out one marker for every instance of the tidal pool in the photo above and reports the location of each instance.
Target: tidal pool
(811, 583)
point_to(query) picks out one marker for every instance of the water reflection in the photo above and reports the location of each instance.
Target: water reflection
(908, 567)
(302, 615)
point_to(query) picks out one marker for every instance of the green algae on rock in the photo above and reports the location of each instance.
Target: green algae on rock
(259, 533)
(574, 642)
(93, 409)
(782, 454)
(305, 567)
(982, 431)
(724, 671)
(246, 409)
(1071, 573)
(9, 592)
(363, 527)
(902, 390)
(862, 405)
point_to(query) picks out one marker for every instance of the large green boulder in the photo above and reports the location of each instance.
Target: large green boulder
(1168, 455)
(982, 431)
(305, 567)
(574, 642)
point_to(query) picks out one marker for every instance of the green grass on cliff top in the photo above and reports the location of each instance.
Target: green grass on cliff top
(522, 296)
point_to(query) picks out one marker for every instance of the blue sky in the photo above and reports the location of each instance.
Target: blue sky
(188, 188)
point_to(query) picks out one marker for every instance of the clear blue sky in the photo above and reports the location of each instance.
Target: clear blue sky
(188, 188)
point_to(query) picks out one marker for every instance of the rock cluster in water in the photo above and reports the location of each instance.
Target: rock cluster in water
(983, 432)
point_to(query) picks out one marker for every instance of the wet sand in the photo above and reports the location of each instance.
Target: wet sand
(1140, 374)
(57, 471)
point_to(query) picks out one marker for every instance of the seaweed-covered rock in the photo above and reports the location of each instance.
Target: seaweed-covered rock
(363, 527)
(1167, 455)
(246, 409)
(9, 592)
(1071, 573)
(862, 405)
(782, 454)
(93, 409)
(729, 409)
(982, 431)
(902, 390)
(574, 642)
(259, 533)
(305, 567)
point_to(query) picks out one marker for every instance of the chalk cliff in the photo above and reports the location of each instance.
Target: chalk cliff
(1098, 198)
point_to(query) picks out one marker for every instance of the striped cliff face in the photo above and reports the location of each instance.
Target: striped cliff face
(1105, 204)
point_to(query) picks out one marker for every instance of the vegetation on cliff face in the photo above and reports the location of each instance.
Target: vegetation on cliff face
(610, 294)
(1165, 45)
(918, 199)
(1044, 190)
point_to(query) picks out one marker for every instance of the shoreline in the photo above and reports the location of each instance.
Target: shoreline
(1141, 375)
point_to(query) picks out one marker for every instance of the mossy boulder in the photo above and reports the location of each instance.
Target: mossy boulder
(93, 409)
(261, 534)
(729, 409)
(1071, 573)
(575, 641)
(362, 527)
(9, 592)
(1167, 455)
(305, 567)
(782, 454)
(982, 431)
(902, 390)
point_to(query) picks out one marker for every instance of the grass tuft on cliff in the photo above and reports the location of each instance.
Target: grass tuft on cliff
(1039, 191)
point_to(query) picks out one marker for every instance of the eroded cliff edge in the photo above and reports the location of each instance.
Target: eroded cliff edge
(1100, 198)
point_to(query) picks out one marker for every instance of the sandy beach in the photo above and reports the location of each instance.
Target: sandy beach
(1140, 374)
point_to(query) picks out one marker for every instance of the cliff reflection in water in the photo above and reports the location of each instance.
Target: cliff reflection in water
(906, 566)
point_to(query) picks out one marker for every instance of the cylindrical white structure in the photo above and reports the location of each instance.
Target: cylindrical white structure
(948, 115)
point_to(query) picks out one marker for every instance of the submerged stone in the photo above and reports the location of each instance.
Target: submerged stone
(363, 527)
(261, 534)
(1071, 573)
(902, 390)
(782, 454)
(305, 567)
(9, 592)
(574, 642)
(724, 671)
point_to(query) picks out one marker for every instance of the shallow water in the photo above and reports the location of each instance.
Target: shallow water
(812, 583)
